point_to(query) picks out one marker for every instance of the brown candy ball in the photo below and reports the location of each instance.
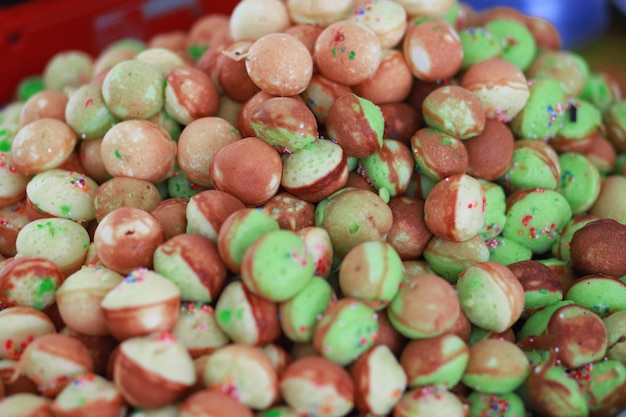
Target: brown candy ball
(598, 247)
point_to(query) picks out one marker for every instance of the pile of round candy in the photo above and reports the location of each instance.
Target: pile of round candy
(330, 208)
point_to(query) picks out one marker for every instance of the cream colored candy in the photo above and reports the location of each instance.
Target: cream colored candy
(79, 296)
(89, 394)
(252, 19)
(319, 13)
(12, 183)
(153, 371)
(62, 241)
(387, 19)
(245, 373)
(63, 193)
(163, 59)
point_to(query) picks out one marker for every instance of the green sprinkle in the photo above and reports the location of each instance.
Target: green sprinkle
(476, 283)
(117, 154)
(354, 227)
(46, 285)
(352, 55)
(234, 130)
(543, 291)
(5, 146)
(224, 316)
(334, 51)
(65, 209)
(446, 141)
(196, 51)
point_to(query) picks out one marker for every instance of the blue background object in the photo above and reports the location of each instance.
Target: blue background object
(578, 21)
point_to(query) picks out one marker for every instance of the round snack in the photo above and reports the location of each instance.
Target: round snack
(299, 315)
(171, 215)
(44, 104)
(544, 112)
(21, 325)
(356, 124)
(29, 281)
(79, 296)
(153, 371)
(143, 302)
(61, 193)
(239, 231)
(244, 373)
(277, 265)
(87, 114)
(231, 74)
(496, 366)
(352, 216)
(602, 294)
(580, 181)
(279, 64)
(52, 360)
(247, 318)
(190, 94)
(439, 360)
(371, 272)
(41, 145)
(347, 52)
(448, 258)
(391, 83)
(12, 219)
(598, 246)
(455, 111)
(198, 330)
(432, 48)
(455, 208)
(388, 20)
(425, 306)
(561, 249)
(346, 330)
(89, 394)
(495, 210)
(291, 212)
(192, 262)
(134, 90)
(504, 99)
(478, 45)
(198, 143)
(409, 234)
(552, 391)
(317, 241)
(616, 332)
(67, 69)
(564, 66)
(541, 284)
(379, 381)
(124, 192)
(609, 203)
(437, 154)
(126, 239)
(211, 404)
(12, 183)
(62, 241)
(165, 59)
(389, 170)
(602, 90)
(235, 170)
(315, 172)
(534, 164)
(429, 401)
(285, 122)
(579, 129)
(520, 47)
(207, 211)
(535, 218)
(124, 153)
(505, 405)
(490, 295)
(314, 384)
(25, 404)
(257, 18)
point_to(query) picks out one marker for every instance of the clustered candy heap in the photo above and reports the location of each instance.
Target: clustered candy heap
(329, 208)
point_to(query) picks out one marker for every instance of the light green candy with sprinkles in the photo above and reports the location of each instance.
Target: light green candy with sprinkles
(544, 112)
(390, 169)
(299, 315)
(345, 331)
(277, 265)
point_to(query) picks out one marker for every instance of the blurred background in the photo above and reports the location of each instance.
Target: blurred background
(32, 31)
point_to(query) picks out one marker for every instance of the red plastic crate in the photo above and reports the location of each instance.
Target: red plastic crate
(32, 31)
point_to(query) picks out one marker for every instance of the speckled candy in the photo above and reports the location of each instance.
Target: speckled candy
(535, 218)
(580, 181)
(455, 111)
(277, 265)
(455, 208)
(346, 330)
(490, 295)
